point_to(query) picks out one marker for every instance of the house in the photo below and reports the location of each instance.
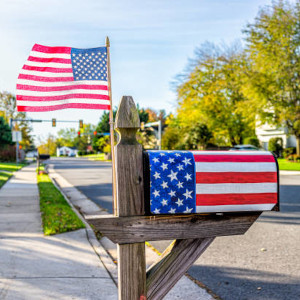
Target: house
(66, 151)
(266, 131)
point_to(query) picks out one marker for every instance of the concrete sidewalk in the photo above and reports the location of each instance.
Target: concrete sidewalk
(33, 266)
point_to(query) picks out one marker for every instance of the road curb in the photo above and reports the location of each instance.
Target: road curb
(285, 172)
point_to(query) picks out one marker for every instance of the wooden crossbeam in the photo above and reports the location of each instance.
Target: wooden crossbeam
(136, 229)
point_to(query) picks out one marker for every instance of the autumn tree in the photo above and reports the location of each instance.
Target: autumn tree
(9, 110)
(66, 137)
(273, 77)
(47, 146)
(210, 93)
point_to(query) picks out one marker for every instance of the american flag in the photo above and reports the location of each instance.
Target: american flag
(212, 181)
(62, 77)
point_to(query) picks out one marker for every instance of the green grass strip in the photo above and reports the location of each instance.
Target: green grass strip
(287, 165)
(57, 215)
(100, 156)
(4, 177)
(11, 167)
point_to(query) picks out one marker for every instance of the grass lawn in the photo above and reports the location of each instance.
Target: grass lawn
(57, 215)
(11, 167)
(99, 156)
(4, 177)
(287, 165)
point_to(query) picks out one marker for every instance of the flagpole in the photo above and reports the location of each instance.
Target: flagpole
(111, 125)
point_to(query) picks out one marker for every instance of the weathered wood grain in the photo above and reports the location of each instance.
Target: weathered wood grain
(173, 264)
(154, 228)
(129, 161)
(130, 200)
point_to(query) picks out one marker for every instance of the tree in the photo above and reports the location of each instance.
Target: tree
(200, 136)
(252, 140)
(210, 93)
(48, 146)
(275, 145)
(86, 137)
(143, 114)
(5, 134)
(273, 77)
(67, 137)
(8, 107)
(103, 125)
(171, 138)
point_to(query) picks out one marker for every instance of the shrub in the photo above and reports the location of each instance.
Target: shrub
(294, 158)
(8, 154)
(275, 146)
(107, 148)
(102, 142)
(288, 151)
(252, 140)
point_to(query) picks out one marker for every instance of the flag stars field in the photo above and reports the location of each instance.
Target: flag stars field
(187, 194)
(168, 171)
(164, 166)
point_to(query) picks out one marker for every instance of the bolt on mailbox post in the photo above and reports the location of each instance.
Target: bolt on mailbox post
(190, 196)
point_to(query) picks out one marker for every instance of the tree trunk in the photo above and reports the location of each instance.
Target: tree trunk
(298, 145)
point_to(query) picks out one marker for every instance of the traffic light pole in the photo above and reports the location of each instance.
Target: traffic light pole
(17, 152)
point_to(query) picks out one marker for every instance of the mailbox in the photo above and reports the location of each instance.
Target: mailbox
(44, 156)
(184, 182)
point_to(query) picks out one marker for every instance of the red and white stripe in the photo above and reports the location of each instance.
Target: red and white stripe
(235, 181)
(46, 83)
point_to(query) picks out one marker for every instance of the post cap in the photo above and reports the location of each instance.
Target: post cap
(127, 114)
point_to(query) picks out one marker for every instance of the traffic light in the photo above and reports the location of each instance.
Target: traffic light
(53, 122)
(95, 133)
(80, 123)
(78, 133)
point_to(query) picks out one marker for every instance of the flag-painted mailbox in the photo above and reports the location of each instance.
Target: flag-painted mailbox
(177, 195)
(184, 182)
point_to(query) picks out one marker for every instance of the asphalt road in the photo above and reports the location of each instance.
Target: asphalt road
(92, 178)
(262, 264)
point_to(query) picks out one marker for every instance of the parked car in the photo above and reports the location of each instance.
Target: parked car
(244, 147)
(31, 154)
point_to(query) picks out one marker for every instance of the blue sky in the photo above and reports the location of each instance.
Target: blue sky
(151, 42)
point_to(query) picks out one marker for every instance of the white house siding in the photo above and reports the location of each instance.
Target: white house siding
(66, 151)
(265, 132)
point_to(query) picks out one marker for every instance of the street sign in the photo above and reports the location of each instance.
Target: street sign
(17, 136)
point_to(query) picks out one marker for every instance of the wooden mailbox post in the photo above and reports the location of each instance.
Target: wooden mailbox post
(131, 227)
(130, 200)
